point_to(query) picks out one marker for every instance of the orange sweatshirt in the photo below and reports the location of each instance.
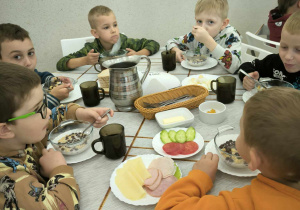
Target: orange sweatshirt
(263, 194)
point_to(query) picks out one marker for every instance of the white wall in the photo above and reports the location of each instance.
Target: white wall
(49, 21)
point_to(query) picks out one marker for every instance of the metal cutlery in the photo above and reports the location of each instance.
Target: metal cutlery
(167, 102)
(256, 81)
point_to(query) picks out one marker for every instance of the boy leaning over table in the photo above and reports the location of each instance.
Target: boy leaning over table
(104, 28)
(32, 177)
(16, 47)
(268, 141)
(283, 66)
(212, 35)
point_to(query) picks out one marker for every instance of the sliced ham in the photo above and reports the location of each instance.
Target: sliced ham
(154, 174)
(157, 181)
(164, 164)
(163, 186)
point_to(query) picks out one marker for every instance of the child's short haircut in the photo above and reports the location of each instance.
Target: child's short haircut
(292, 25)
(16, 82)
(12, 32)
(271, 125)
(284, 5)
(97, 11)
(218, 6)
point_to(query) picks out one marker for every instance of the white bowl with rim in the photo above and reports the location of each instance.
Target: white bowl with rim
(175, 113)
(212, 118)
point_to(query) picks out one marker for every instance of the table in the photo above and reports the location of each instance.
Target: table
(93, 175)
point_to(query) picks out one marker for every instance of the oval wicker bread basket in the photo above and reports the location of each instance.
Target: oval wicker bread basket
(149, 113)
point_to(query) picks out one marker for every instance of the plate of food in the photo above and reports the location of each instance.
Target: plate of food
(178, 143)
(141, 180)
(201, 79)
(222, 166)
(210, 62)
(73, 95)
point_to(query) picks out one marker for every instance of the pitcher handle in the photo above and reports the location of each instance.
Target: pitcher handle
(147, 69)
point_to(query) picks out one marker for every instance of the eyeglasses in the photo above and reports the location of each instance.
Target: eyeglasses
(42, 110)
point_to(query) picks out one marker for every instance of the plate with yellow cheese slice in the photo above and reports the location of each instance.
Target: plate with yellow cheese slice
(134, 180)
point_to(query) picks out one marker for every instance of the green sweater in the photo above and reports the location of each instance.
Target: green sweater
(135, 44)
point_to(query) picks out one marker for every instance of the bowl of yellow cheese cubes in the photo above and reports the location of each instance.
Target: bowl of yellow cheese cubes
(179, 117)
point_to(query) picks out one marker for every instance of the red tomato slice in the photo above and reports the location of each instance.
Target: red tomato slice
(172, 148)
(189, 148)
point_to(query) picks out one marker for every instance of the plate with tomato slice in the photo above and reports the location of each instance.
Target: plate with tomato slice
(177, 150)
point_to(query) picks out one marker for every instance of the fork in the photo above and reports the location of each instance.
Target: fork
(167, 102)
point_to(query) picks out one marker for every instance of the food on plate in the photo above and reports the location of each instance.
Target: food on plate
(233, 156)
(130, 179)
(180, 136)
(186, 148)
(211, 111)
(55, 81)
(173, 120)
(104, 78)
(162, 172)
(201, 80)
(68, 143)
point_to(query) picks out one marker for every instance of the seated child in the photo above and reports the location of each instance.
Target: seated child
(268, 141)
(279, 15)
(285, 65)
(104, 28)
(32, 177)
(16, 47)
(212, 35)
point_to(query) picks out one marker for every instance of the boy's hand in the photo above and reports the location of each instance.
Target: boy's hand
(92, 114)
(131, 52)
(50, 160)
(62, 91)
(200, 34)
(208, 164)
(66, 80)
(92, 58)
(248, 83)
(179, 55)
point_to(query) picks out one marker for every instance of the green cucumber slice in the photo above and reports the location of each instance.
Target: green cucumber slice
(190, 134)
(172, 135)
(180, 136)
(164, 137)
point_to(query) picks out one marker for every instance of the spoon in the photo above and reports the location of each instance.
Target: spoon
(105, 113)
(256, 81)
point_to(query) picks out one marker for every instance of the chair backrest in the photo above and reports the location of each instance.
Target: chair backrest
(247, 56)
(263, 31)
(72, 45)
(262, 43)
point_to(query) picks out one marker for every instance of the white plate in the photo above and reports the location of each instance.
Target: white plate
(85, 155)
(148, 200)
(73, 95)
(242, 172)
(187, 80)
(157, 144)
(211, 62)
(248, 94)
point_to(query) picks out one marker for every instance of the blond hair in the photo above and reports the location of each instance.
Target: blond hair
(96, 12)
(271, 125)
(292, 25)
(219, 6)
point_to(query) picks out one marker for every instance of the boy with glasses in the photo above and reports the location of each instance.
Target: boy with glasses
(32, 177)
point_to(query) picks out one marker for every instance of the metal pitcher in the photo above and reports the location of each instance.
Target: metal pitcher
(125, 85)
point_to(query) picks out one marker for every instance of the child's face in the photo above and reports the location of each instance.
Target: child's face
(289, 51)
(241, 146)
(107, 30)
(212, 23)
(32, 129)
(19, 52)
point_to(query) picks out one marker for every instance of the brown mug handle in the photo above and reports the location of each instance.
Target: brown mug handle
(93, 146)
(212, 87)
(103, 93)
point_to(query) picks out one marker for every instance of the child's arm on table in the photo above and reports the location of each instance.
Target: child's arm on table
(186, 193)
(139, 46)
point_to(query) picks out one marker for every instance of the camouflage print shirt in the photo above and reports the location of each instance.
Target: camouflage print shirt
(135, 44)
(227, 51)
(21, 184)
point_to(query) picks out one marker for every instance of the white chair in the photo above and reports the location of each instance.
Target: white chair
(262, 43)
(72, 45)
(263, 31)
(247, 56)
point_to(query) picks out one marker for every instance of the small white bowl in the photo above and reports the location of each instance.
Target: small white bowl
(212, 118)
(178, 112)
